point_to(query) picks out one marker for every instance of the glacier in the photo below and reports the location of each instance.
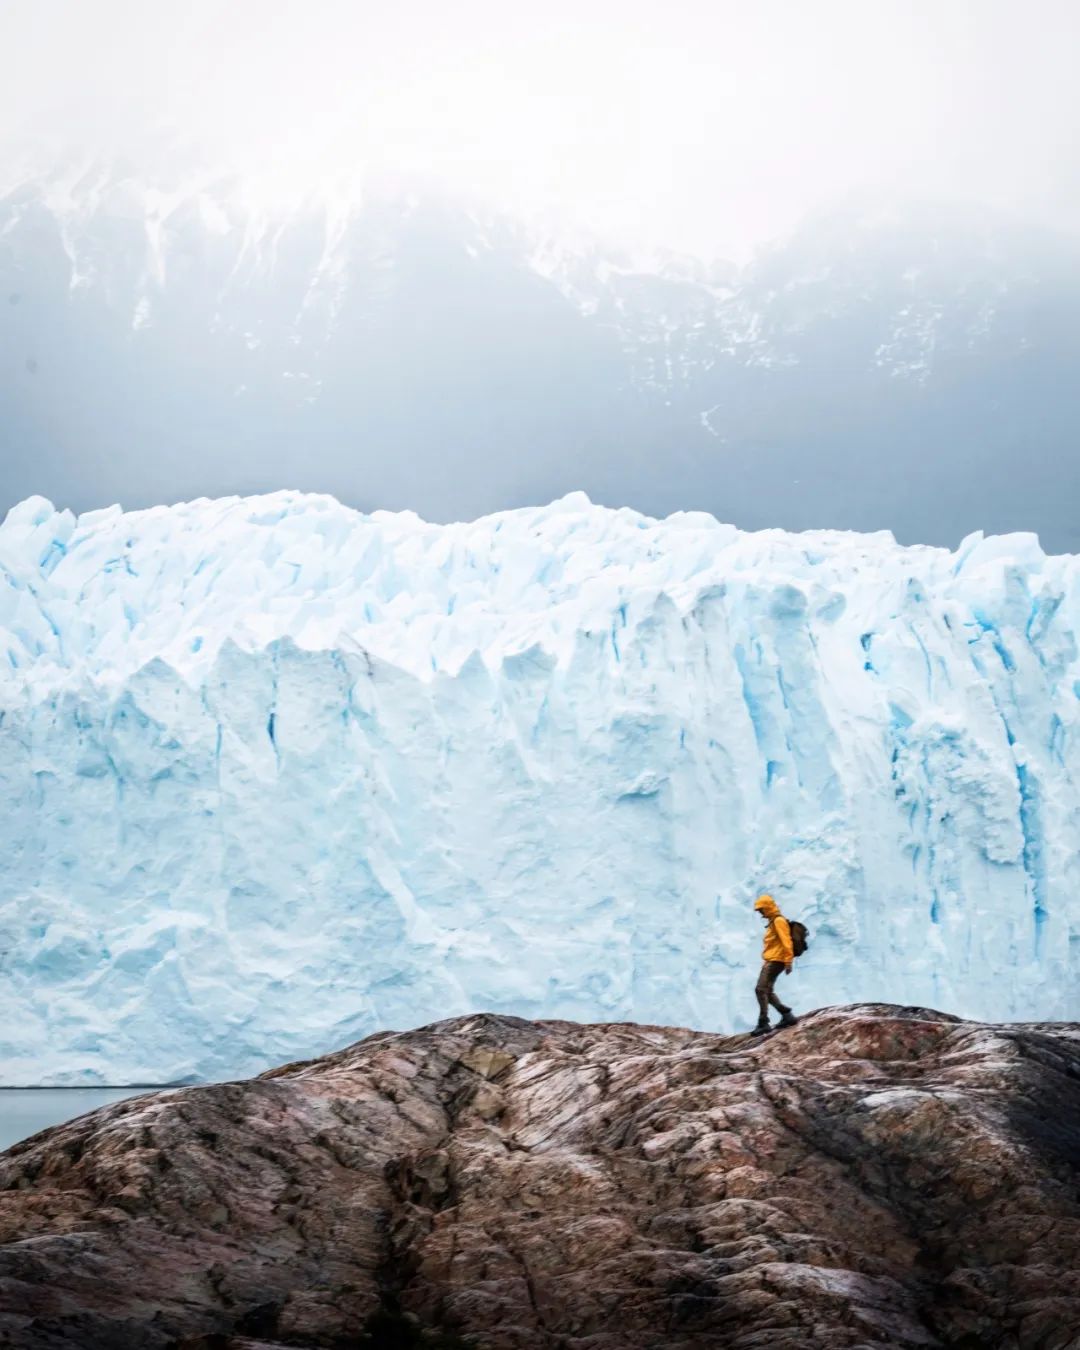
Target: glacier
(276, 774)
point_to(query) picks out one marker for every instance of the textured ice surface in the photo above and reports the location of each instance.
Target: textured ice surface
(276, 774)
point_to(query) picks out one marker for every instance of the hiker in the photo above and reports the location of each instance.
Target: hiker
(779, 954)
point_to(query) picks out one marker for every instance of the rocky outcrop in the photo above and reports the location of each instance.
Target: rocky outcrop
(874, 1176)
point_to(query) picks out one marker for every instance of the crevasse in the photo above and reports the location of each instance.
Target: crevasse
(276, 774)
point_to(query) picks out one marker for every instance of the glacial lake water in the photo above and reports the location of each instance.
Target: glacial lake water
(24, 1111)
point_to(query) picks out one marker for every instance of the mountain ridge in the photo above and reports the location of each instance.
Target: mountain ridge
(408, 350)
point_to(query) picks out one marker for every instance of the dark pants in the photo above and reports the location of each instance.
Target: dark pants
(766, 994)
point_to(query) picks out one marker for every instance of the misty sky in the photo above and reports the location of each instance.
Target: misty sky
(705, 126)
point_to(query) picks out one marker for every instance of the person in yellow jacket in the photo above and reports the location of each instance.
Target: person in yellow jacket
(779, 955)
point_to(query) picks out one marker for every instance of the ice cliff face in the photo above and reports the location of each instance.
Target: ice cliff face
(275, 774)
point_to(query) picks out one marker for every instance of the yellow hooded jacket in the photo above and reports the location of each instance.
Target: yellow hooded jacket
(778, 945)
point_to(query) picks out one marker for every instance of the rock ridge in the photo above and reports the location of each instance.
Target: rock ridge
(877, 1175)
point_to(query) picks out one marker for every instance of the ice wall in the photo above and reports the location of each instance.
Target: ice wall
(275, 774)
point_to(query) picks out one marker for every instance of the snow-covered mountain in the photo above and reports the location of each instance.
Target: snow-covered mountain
(275, 774)
(403, 350)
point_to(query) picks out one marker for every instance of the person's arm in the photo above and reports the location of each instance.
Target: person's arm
(783, 932)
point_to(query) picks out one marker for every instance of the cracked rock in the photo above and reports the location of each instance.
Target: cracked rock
(875, 1176)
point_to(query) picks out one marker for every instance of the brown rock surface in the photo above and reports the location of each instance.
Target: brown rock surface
(874, 1176)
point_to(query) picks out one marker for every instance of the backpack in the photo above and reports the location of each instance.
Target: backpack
(799, 936)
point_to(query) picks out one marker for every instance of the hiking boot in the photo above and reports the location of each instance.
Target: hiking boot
(762, 1029)
(788, 1019)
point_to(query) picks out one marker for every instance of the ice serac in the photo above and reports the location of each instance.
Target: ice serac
(274, 772)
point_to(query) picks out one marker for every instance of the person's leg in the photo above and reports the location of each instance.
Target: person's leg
(762, 989)
(774, 969)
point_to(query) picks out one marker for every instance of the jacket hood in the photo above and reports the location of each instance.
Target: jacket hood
(766, 905)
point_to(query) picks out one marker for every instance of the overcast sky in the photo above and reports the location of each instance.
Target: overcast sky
(703, 125)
